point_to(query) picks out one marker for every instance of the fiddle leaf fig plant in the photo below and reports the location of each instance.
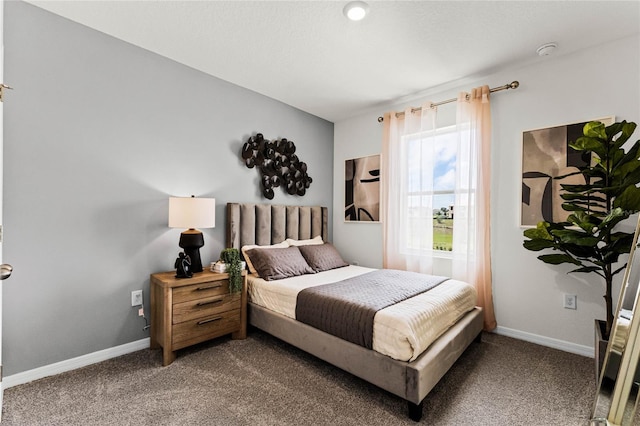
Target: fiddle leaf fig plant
(231, 257)
(589, 239)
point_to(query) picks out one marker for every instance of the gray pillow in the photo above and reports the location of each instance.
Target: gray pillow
(277, 263)
(322, 257)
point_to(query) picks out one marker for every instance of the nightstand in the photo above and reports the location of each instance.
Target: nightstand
(186, 311)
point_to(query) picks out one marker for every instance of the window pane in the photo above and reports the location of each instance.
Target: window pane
(443, 222)
(444, 172)
(419, 219)
(430, 186)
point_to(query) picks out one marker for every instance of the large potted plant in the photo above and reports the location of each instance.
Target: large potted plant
(590, 238)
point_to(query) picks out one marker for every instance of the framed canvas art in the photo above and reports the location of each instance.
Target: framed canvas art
(546, 154)
(362, 189)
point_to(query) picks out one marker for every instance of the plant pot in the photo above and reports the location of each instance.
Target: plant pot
(222, 267)
(615, 357)
(600, 347)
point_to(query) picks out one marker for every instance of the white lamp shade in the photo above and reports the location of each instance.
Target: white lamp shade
(191, 212)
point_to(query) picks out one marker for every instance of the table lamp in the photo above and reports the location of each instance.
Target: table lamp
(192, 213)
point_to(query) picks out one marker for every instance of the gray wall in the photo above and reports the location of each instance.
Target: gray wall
(555, 90)
(98, 135)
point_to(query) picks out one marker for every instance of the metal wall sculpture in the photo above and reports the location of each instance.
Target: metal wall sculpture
(278, 164)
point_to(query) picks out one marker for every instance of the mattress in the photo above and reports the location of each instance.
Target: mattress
(402, 331)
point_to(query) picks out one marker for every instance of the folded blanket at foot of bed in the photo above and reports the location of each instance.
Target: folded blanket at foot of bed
(347, 308)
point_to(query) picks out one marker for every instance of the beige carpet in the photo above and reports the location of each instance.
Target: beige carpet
(262, 381)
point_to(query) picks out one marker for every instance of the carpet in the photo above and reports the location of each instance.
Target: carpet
(264, 381)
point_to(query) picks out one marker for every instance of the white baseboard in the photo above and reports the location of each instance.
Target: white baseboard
(73, 363)
(546, 341)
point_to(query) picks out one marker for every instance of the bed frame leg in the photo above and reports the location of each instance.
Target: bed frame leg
(415, 411)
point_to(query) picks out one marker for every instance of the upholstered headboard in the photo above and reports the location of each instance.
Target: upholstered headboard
(266, 224)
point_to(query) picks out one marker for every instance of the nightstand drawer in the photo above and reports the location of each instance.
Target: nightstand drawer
(207, 306)
(198, 291)
(201, 329)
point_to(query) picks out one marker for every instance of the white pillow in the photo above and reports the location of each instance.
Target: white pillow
(312, 242)
(245, 249)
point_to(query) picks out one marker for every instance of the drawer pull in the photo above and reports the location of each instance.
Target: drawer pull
(209, 302)
(208, 287)
(203, 322)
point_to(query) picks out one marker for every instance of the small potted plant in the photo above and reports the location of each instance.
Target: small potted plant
(231, 258)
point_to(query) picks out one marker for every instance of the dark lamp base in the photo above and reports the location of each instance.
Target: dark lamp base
(191, 240)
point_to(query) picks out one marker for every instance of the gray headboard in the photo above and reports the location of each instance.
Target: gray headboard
(266, 224)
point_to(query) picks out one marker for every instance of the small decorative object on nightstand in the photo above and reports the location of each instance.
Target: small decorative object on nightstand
(231, 258)
(186, 311)
(183, 266)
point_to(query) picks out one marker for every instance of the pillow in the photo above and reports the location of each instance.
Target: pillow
(277, 263)
(322, 257)
(312, 241)
(245, 249)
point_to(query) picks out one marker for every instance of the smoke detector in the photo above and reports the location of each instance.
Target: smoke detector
(546, 49)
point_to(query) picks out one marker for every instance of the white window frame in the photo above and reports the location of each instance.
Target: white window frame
(434, 252)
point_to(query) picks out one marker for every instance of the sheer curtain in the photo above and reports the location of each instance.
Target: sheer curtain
(408, 222)
(407, 198)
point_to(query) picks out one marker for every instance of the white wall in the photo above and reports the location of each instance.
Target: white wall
(554, 90)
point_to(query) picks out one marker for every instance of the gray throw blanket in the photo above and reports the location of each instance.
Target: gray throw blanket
(346, 309)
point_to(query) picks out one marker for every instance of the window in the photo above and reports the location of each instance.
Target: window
(431, 172)
(426, 169)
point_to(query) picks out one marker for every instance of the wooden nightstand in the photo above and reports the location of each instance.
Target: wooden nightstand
(186, 311)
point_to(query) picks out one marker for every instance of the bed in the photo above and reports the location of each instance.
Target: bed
(411, 379)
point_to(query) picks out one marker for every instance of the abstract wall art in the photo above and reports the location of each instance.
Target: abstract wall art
(362, 189)
(546, 154)
(278, 165)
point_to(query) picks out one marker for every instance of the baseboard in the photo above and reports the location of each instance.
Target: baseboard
(103, 355)
(546, 341)
(73, 363)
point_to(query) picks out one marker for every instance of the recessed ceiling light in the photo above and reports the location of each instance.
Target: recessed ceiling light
(546, 49)
(356, 10)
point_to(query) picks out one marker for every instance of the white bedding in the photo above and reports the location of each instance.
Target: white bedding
(402, 331)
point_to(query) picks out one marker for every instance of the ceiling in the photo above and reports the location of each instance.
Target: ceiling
(308, 55)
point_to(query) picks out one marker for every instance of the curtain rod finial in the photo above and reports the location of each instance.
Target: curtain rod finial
(514, 84)
(380, 119)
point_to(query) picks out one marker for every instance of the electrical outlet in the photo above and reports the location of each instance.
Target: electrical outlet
(570, 301)
(136, 298)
